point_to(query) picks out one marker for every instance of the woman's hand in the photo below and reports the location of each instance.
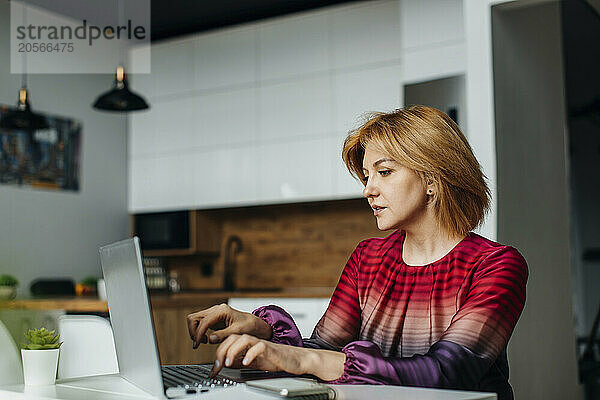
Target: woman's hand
(239, 351)
(236, 322)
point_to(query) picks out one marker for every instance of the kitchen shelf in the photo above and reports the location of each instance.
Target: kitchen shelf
(158, 300)
(72, 304)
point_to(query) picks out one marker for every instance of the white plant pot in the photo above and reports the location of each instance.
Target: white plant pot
(8, 292)
(39, 366)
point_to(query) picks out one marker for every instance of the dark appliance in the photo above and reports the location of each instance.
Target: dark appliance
(164, 231)
(176, 233)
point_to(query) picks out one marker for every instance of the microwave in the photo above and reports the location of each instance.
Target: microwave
(177, 232)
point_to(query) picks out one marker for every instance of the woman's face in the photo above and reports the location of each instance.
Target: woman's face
(396, 193)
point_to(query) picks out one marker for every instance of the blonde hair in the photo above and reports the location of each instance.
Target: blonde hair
(430, 143)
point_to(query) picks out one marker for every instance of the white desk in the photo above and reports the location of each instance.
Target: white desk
(113, 387)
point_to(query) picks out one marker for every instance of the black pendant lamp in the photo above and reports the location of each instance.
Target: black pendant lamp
(23, 118)
(120, 98)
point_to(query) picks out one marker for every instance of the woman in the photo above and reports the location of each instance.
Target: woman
(433, 304)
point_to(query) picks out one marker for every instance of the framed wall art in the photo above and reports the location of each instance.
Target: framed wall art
(45, 159)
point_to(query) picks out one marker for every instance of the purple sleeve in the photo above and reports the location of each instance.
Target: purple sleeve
(445, 365)
(285, 330)
(282, 324)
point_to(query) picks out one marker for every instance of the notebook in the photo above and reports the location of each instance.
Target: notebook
(135, 344)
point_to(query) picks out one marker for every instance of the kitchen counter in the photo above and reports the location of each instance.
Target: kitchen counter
(72, 304)
(192, 298)
(169, 313)
(158, 300)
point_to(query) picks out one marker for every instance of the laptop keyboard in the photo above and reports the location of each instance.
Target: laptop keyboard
(192, 376)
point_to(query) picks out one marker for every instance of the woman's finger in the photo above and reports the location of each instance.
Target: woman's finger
(238, 348)
(192, 324)
(222, 334)
(194, 319)
(205, 323)
(258, 349)
(192, 329)
(198, 315)
(220, 354)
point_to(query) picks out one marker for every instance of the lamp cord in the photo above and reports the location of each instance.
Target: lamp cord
(24, 63)
(121, 47)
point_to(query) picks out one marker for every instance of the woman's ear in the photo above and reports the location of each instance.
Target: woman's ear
(431, 186)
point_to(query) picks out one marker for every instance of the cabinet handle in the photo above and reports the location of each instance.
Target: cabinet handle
(298, 315)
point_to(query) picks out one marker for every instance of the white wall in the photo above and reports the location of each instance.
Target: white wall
(53, 233)
(479, 94)
(261, 110)
(533, 201)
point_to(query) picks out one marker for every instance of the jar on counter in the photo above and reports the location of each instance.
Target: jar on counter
(174, 286)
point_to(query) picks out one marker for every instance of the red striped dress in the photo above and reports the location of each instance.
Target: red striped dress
(445, 324)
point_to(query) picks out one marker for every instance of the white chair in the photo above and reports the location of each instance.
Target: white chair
(11, 370)
(88, 347)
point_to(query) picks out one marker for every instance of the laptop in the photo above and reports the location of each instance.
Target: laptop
(135, 343)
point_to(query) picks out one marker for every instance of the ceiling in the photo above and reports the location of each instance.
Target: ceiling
(170, 18)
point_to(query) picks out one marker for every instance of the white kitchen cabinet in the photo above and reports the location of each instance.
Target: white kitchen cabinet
(142, 133)
(172, 121)
(224, 118)
(175, 176)
(299, 108)
(430, 23)
(173, 67)
(367, 33)
(306, 312)
(291, 46)
(225, 177)
(434, 62)
(260, 110)
(164, 182)
(346, 186)
(366, 90)
(295, 170)
(143, 189)
(225, 58)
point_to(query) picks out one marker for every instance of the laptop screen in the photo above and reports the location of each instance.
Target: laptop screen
(130, 315)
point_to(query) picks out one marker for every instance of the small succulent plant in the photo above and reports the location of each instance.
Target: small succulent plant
(41, 339)
(8, 280)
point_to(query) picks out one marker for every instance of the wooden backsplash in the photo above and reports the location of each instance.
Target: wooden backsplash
(295, 245)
